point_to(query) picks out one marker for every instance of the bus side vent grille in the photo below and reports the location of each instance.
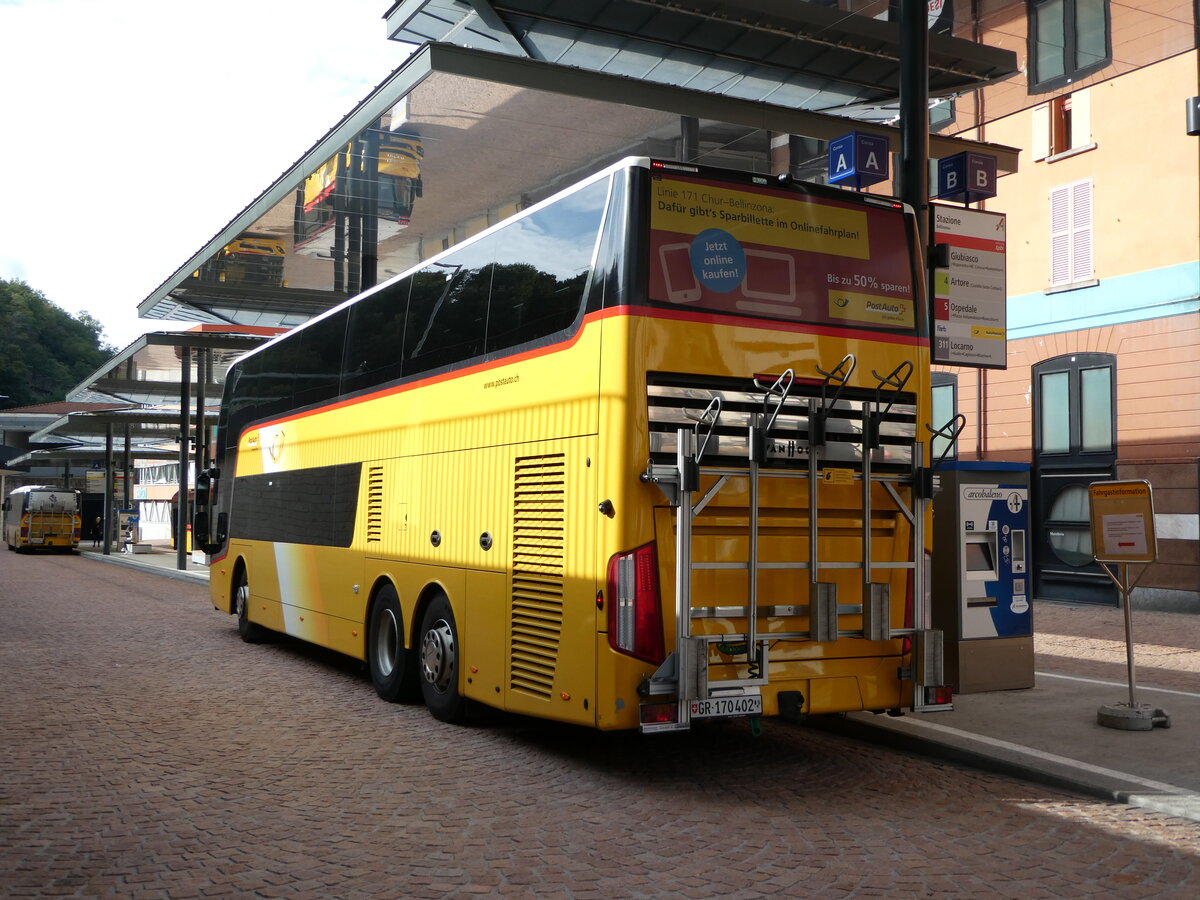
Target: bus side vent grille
(374, 504)
(539, 510)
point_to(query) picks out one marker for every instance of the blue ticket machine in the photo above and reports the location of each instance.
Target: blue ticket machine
(982, 575)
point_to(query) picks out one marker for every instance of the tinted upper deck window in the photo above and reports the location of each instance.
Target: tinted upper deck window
(375, 339)
(542, 264)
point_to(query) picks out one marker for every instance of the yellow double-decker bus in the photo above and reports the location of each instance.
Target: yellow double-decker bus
(648, 452)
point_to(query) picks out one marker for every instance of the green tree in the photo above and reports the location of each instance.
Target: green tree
(44, 351)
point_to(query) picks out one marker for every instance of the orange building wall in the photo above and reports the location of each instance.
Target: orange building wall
(1158, 390)
(1143, 35)
(1146, 179)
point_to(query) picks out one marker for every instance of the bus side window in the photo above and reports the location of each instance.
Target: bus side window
(447, 312)
(272, 383)
(542, 267)
(241, 398)
(375, 337)
(318, 365)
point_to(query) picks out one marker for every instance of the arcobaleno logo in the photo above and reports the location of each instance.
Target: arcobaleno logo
(984, 494)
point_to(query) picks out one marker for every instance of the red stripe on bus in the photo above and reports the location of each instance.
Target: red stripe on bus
(706, 318)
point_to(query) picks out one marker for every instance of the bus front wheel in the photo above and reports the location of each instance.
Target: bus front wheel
(439, 662)
(393, 668)
(250, 632)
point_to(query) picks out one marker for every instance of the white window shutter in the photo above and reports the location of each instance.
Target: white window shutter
(1071, 257)
(1060, 236)
(1081, 118)
(1041, 131)
(1081, 231)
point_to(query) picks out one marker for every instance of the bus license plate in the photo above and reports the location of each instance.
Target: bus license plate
(727, 706)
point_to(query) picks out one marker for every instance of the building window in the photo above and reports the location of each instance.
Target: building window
(1056, 419)
(941, 113)
(1063, 126)
(1096, 409)
(1075, 406)
(1071, 235)
(1067, 40)
(944, 389)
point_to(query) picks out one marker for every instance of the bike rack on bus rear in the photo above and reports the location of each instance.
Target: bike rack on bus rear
(685, 673)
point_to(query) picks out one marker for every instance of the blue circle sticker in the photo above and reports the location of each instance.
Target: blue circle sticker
(718, 260)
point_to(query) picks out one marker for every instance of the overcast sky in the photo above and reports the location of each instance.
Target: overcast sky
(132, 131)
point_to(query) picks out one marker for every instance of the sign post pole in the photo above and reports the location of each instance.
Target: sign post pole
(1122, 526)
(1125, 592)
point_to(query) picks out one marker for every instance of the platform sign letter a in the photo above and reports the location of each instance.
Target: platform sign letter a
(857, 160)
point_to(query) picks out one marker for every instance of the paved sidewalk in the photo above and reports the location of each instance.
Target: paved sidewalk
(1049, 733)
(161, 558)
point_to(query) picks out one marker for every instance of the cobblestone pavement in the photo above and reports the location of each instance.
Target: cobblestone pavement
(147, 752)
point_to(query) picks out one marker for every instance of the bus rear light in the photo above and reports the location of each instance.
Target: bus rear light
(941, 696)
(660, 713)
(635, 624)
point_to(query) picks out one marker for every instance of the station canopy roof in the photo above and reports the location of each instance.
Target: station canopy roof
(149, 372)
(147, 427)
(86, 453)
(458, 138)
(790, 53)
(138, 395)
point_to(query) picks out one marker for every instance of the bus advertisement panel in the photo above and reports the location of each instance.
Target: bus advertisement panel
(630, 458)
(769, 252)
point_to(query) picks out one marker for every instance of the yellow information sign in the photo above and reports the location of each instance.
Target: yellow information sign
(986, 332)
(761, 218)
(895, 312)
(838, 476)
(1123, 522)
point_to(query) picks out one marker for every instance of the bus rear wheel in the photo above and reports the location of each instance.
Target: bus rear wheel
(393, 668)
(251, 632)
(439, 662)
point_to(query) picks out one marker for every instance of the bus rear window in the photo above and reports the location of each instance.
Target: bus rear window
(780, 253)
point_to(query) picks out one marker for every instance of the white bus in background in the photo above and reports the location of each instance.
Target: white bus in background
(40, 516)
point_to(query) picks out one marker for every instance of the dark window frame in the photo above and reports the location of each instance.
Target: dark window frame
(1071, 73)
(1073, 365)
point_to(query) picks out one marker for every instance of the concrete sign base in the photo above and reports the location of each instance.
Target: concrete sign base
(1141, 717)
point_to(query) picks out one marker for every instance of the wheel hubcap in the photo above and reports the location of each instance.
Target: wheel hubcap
(437, 655)
(387, 644)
